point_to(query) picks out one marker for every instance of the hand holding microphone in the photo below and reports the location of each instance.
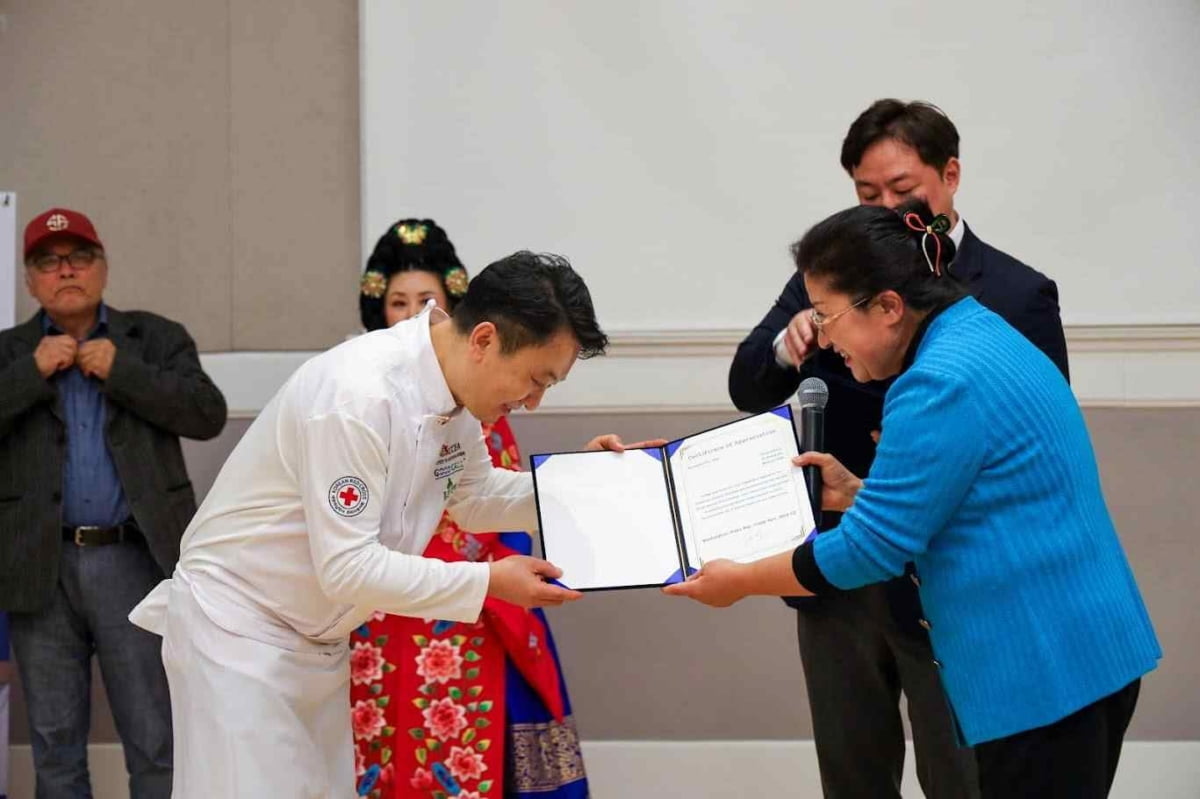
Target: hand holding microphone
(813, 396)
(839, 486)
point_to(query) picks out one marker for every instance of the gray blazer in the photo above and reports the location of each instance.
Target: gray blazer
(155, 393)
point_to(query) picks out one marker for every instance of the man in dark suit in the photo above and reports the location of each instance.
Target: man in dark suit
(861, 649)
(94, 498)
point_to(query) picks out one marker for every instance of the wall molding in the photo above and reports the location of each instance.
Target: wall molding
(1133, 338)
(671, 371)
(1080, 338)
(719, 769)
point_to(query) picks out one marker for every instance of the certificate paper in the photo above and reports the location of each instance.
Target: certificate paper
(649, 517)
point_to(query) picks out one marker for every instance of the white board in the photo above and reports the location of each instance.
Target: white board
(674, 150)
(8, 259)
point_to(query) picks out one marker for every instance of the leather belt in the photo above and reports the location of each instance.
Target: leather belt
(88, 535)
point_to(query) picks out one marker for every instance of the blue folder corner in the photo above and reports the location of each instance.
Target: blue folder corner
(677, 576)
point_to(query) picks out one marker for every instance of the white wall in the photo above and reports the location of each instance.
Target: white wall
(675, 149)
(8, 258)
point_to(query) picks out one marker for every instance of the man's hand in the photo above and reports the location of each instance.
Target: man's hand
(55, 353)
(95, 357)
(799, 339)
(518, 579)
(613, 443)
(719, 584)
(839, 485)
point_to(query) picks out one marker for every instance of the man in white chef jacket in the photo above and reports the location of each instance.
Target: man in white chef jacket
(318, 517)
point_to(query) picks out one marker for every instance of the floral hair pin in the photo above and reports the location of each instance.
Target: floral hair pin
(412, 234)
(373, 284)
(456, 281)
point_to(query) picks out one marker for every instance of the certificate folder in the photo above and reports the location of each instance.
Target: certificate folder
(650, 517)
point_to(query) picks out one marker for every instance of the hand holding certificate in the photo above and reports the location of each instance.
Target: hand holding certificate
(649, 517)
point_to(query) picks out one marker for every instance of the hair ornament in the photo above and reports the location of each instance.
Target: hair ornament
(373, 284)
(938, 226)
(412, 234)
(455, 279)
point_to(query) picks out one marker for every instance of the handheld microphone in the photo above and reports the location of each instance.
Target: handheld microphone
(813, 396)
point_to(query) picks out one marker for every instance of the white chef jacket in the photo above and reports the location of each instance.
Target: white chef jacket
(318, 517)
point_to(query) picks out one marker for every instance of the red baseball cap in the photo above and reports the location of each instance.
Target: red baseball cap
(55, 222)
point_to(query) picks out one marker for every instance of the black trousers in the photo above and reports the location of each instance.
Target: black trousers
(1073, 758)
(857, 662)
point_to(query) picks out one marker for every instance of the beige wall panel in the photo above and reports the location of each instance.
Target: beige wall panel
(120, 110)
(642, 666)
(295, 174)
(1148, 464)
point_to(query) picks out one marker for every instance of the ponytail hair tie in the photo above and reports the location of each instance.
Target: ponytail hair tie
(938, 226)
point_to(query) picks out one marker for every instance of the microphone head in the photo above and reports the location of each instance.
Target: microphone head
(813, 393)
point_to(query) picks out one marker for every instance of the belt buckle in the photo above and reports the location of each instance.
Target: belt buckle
(79, 531)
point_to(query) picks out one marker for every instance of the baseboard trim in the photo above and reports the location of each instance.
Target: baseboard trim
(718, 769)
(668, 371)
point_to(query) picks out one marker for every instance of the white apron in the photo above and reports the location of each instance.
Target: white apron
(254, 719)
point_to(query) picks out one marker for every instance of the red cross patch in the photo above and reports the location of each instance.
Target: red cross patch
(348, 496)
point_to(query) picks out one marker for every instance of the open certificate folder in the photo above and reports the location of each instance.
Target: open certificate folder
(649, 517)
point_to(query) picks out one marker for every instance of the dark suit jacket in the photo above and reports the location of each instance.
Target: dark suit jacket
(155, 393)
(1024, 297)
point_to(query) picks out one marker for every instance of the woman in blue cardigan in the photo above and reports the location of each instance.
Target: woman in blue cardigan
(984, 478)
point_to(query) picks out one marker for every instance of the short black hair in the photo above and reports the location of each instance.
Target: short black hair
(407, 245)
(922, 126)
(868, 249)
(529, 297)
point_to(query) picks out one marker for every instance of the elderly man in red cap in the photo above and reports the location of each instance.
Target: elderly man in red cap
(94, 498)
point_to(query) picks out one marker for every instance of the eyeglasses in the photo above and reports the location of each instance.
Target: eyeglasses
(820, 320)
(78, 259)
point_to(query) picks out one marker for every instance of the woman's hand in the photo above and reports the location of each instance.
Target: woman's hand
(719, 584)
(839, 485)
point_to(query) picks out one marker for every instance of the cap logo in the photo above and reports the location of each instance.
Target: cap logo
(57, 222)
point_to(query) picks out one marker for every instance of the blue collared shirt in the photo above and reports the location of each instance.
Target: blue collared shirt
(92, 491)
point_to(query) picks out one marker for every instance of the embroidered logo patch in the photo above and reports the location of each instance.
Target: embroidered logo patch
(348, 496)
(452, 459)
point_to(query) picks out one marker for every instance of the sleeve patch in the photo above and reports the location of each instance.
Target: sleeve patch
(348, 496)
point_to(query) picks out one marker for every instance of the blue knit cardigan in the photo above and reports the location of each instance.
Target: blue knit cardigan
(986, 479)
